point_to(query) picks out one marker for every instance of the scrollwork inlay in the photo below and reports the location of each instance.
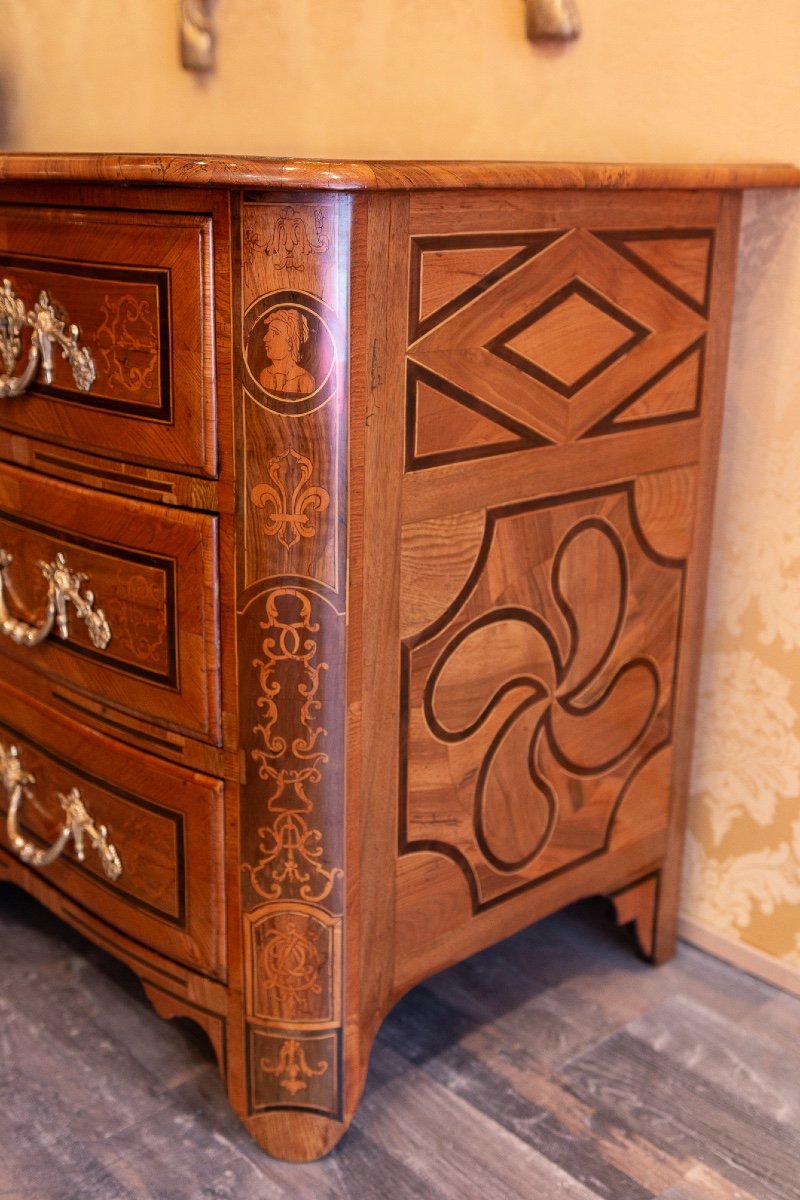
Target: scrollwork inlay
(292, 1068)
(289, 244)
(128, 342)
(290, 758)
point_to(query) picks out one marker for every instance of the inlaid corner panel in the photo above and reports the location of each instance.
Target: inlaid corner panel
(294, 374)
(527, 329)
(292, 573)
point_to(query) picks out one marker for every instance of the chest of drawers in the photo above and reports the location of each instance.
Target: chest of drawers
(352, 557)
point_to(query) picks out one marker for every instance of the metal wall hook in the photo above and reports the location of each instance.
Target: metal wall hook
(198, 35)
(552, 20)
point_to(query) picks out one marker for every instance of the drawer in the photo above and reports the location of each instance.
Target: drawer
(153, 574)
(165, 824)
(139, 288)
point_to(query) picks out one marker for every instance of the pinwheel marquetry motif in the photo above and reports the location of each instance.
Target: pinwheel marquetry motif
(576, 707)
(538, 697)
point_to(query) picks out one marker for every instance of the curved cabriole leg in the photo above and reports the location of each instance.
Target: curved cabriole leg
(290, 1028)
(295, 1133)
(291, 1129)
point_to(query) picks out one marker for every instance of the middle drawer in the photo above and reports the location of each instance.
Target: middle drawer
(152, 573)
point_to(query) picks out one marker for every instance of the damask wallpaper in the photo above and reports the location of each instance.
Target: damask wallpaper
(742, 895)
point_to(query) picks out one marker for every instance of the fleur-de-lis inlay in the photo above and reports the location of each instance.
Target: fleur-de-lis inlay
(290, 501)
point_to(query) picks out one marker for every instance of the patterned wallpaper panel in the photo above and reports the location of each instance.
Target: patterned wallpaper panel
(742, 888)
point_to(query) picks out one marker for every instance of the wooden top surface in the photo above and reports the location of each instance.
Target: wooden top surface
(342, 175)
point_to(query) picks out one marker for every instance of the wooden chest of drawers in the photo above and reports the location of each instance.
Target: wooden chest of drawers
(352, 561)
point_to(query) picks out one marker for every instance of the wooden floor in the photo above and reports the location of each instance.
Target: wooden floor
(555, 1065)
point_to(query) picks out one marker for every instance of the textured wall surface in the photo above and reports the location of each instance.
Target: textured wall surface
(688, 79)
(692, 80)
(743, 855)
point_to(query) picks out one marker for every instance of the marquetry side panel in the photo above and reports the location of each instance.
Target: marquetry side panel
(562, 394)
(291, 573)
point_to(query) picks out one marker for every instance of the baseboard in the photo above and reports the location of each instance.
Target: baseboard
(748, 958)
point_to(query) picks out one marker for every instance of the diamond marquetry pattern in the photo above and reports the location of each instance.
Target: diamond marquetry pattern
(569, 339)
(562, 339)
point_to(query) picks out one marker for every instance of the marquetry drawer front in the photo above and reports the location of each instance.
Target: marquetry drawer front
(141, 626)
(139, 288)
(163, 826)
(547, 320)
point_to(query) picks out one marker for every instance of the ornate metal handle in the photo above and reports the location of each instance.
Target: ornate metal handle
(48, 330)
(63, 586)
(78, 824)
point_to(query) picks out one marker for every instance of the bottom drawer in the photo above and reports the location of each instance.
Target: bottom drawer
(156, 874)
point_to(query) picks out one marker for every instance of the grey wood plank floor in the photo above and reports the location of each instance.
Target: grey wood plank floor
(555, 1065)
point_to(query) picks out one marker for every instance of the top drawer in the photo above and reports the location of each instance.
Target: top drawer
(139, 287)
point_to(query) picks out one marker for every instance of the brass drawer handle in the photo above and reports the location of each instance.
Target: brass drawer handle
(78, 824)
(47, 330)
(64, 586)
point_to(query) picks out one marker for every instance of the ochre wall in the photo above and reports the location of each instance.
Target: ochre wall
(688, 80)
